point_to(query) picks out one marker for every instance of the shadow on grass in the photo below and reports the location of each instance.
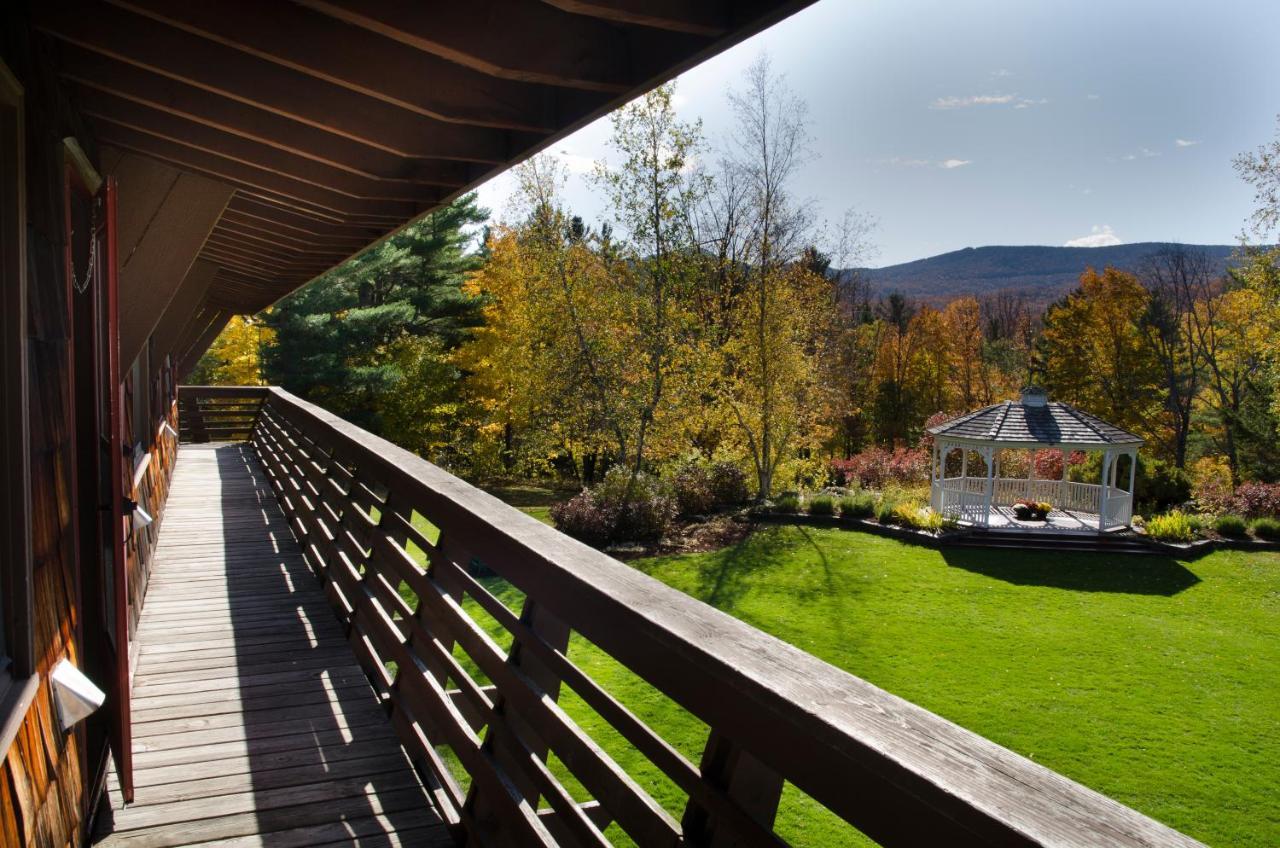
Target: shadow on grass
(724, 576)
(1079, 572)
(529, 494)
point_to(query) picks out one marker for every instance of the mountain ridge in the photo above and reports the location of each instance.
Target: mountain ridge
(1042, 273)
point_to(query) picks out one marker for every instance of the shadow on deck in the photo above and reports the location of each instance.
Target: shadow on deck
(253, 725)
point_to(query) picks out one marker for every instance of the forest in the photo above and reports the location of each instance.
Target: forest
(703, 325)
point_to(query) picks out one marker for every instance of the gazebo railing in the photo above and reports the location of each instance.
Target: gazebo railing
(1119, 509)
(964, 498)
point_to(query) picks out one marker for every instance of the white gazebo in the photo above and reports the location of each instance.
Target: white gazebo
(972, 490)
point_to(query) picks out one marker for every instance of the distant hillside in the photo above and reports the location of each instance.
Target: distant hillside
(1041, 273)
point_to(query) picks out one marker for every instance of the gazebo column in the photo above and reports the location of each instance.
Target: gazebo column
(935, 477)
(990, 455)
(1133, 473)
(1064, 483)
(1103, 492)
(1031, 472)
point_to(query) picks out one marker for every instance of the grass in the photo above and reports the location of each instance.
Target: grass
(1147, 679)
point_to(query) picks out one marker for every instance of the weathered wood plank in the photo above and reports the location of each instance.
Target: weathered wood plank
(253, 723)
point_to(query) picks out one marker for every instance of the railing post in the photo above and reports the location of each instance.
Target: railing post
(755, 787)
(514, 742)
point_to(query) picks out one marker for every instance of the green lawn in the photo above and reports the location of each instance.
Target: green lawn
(1150, 680)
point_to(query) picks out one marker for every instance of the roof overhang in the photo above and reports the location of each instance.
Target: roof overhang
(1097, 447)
(336, 122)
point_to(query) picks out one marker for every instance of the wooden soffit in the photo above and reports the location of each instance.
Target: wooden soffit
(336, 122)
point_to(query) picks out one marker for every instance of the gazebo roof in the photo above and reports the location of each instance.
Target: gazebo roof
(1034, 420)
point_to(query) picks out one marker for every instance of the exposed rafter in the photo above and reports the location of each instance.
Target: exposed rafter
(333, 123)
(705, 17)
(362, 62)
(524, 40)
(213, 67)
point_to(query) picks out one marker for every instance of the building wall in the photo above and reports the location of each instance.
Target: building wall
(42, 784)
(45, 797)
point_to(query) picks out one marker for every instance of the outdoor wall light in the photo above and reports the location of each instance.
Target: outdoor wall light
(76, 695)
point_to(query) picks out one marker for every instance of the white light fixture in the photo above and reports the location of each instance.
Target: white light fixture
(76, 695)
(141, 518)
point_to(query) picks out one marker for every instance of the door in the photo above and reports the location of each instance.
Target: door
(101, 481)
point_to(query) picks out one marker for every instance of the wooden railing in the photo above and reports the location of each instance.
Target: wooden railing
(218, 413)
(463, 610)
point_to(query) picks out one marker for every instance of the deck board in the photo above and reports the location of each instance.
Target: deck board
(253, 724)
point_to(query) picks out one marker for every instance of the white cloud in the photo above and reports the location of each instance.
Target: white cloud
(576, 163)
(1027, 103)
(1100, 235)
(1002, 72)
(1093, 97)
(905, 162)
(1143, 152)
(974, 100)
(1185, 142)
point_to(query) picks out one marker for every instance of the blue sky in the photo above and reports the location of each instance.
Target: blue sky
(965, 124)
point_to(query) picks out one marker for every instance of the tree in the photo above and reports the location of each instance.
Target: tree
(1176, 278)
(235, 357)
(652, 194)
(334, 337)
(772, 385)
(970, 375)
(1261, 169)
(1093, 352)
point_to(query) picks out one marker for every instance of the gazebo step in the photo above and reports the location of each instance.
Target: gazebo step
(1024, 540)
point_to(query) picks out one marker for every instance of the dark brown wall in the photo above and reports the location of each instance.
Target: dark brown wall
(44, 791)
(42, 787)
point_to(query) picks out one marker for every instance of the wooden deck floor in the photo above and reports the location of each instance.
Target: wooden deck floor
(252, 723)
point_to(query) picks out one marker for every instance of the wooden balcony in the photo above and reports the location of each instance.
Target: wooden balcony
(239, 651)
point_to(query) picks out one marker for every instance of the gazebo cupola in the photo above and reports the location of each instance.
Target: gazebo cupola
(970, 487)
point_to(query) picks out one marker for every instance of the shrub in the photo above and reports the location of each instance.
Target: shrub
(822, 505)
(886, 509)
(1211, 484)
(1231, 525)
(728, 483)
(787, 503)
(618, 510)
(875, 468)
(1173, 526)
(1161, 485)
(1257, 500)
(858, 505)
(1267, 528)
(691, 486)
(583, 517)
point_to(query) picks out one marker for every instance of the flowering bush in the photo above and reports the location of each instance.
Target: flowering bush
(1257, 500)
(1026, 510)
(876, 468)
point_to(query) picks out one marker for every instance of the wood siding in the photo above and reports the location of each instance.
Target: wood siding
(42, 784)
(45, 776)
